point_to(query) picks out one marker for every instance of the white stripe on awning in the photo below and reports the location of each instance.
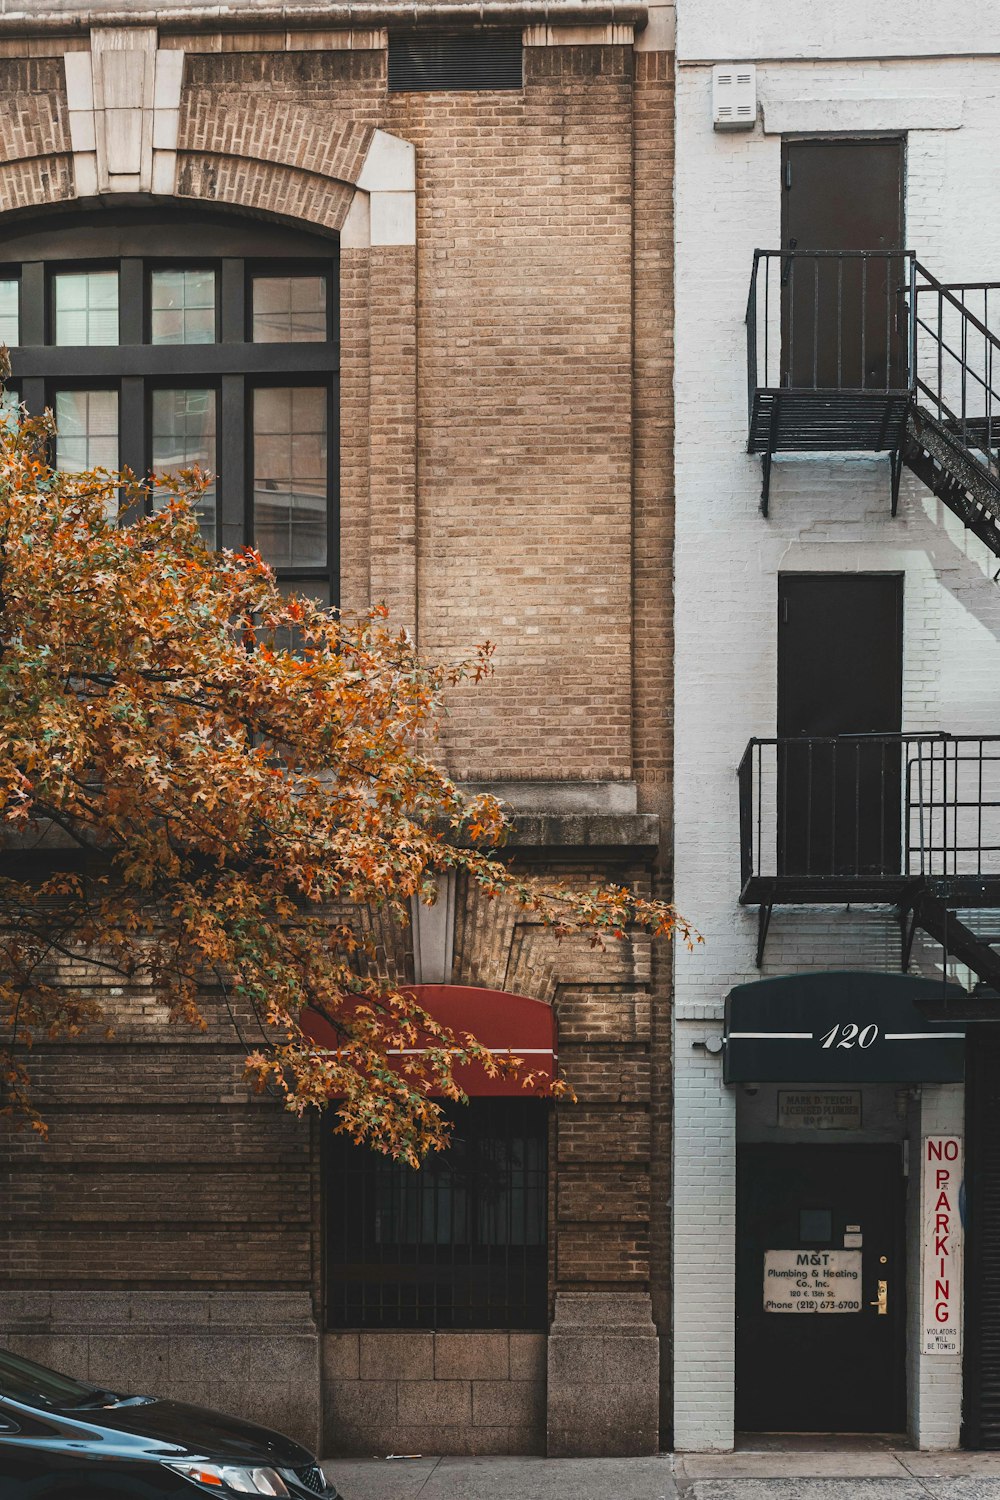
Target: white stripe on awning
(771, 1036)
(924, 1036)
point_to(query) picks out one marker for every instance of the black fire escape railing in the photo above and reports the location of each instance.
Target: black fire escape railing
(855, 815)
(830, 320)
(866, 351)
(954, 424)
(830, 337)
(957, 360)
(911, 820)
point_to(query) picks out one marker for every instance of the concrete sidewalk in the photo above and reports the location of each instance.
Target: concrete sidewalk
(497, 1478)
(816, 1469)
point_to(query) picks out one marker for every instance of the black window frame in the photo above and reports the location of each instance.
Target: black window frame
(371, 1283)
(137, 243)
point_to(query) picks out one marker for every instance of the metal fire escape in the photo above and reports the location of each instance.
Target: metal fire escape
(867, 352)
(909, 820)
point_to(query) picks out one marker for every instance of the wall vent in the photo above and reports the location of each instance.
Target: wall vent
(734, 96)
(492, 59)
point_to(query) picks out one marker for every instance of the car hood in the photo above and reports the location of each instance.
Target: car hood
(174, 1430)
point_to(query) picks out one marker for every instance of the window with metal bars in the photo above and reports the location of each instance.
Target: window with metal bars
(456, 60)
(161, 343)
(458, 1243)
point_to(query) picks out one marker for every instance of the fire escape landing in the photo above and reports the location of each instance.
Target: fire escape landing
(867, 352)
(908, 820)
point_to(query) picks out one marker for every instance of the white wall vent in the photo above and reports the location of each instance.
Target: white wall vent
(734, 96)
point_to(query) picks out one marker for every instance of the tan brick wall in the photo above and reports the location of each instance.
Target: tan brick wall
(498, 474)
(506, 472)
(524, 421)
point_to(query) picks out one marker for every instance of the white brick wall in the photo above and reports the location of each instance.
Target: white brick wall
(727, 30)
(704, 1245)
(827, 514)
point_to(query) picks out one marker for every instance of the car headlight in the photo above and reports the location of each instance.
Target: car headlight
(245, 1481)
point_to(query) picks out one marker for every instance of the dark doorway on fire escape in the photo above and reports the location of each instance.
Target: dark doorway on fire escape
(840, 669)
(843, 322)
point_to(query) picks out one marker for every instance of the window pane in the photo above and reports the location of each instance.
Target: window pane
(289, 309)
(9, 320)
(184, 435)
(86, 430)
(86, 307)
(182, 305)
(815, 1226)
(289, 426)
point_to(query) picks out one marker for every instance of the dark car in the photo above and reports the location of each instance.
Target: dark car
(64, 1439)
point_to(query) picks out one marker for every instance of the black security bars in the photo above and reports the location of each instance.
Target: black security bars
(459, 1243)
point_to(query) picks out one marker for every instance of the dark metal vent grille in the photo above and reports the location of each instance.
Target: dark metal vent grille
(460, 1243)
(455, 60)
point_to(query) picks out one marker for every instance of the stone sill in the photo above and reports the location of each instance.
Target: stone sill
(551, 796)
(584, 830)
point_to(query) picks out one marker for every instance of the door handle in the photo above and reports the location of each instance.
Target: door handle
(882, 1299)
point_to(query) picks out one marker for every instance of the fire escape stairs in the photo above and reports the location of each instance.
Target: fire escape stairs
(939, 917)
(955, 474)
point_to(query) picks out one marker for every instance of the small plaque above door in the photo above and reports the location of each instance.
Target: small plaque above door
(812, 1281)
(819, 1110)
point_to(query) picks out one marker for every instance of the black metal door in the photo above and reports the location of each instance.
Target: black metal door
(981, 1384)
(840, 667)
(839, 1211)
(842, 315)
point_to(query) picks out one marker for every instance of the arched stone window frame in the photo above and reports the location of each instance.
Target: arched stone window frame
(129, 132)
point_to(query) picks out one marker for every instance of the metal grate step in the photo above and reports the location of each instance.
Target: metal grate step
(797, 421)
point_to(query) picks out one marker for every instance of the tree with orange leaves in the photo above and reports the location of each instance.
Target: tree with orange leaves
(224, 777)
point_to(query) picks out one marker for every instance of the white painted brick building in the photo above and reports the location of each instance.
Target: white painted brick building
(930, 78)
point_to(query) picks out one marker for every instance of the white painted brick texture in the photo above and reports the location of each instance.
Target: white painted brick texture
(827, 514)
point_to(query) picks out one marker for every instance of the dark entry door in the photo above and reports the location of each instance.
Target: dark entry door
(820, 1369)
(841, 315)
(840, 666)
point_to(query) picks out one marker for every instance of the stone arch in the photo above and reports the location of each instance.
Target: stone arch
(119, 123)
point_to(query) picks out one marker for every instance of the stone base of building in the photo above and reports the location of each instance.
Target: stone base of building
(603, 1376)
(253, 1355)
(588, 1389)
(456, 1393)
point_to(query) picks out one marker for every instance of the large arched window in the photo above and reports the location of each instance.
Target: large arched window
(160, 342)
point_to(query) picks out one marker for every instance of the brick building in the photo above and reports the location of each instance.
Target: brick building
(837, 626)
(402, 276)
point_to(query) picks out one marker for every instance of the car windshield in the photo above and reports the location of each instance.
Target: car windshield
(23, 1380)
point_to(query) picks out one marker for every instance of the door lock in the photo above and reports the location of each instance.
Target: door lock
(882, 1299)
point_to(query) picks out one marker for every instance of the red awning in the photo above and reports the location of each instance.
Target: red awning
(508, 1024)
